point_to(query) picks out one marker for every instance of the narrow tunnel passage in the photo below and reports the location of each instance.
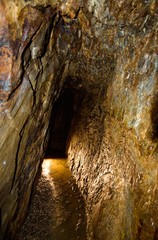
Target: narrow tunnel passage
(60, 122)
(113, 152)
(57, 210)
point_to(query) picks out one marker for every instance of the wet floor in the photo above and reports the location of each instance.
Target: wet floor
(57, 211)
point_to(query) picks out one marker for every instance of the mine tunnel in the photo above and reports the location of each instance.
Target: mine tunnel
(78, 120)
(63, 204)
(60, 124)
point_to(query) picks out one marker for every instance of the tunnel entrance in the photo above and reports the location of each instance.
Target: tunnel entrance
(60, 123)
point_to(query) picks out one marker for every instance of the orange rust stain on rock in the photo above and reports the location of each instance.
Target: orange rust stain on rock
(5, 60)
(6, 56)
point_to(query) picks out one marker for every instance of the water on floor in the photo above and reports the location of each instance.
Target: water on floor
(57, 211)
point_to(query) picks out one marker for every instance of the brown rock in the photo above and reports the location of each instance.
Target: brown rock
(106, 51)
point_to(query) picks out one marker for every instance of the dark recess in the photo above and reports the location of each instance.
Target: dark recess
(60, 123)
(0, 218)
(154, 118)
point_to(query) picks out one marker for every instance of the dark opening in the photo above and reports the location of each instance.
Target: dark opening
(154, 118)
(60, 123)
(0, 218)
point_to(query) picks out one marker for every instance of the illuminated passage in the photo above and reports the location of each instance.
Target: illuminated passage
(57, 211)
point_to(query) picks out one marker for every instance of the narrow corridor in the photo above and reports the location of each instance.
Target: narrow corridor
(57, 211)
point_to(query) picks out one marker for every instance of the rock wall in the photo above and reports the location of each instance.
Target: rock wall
(34, 61)
(113, 147)
(107, 52)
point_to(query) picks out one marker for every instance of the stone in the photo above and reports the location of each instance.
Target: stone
(106, 51)
(29, 69)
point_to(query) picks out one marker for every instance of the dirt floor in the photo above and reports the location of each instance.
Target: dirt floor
(57, 211)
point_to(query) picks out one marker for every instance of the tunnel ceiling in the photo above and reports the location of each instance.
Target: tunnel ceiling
(107, 51)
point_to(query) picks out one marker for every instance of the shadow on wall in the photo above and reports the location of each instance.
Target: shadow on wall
(60, 124)
(0, 219)
(154, 119)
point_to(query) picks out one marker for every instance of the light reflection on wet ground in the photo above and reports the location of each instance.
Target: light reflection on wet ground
(57, 211)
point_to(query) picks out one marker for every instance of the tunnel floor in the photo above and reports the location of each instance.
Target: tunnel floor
(57, 211)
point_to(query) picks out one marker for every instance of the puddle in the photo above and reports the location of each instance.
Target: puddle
(57, 211)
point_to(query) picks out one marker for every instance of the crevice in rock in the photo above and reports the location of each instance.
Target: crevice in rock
(154, 119)
(33, 92)
(0, 218)
(156, 234)
(17, 154)
(26, 45)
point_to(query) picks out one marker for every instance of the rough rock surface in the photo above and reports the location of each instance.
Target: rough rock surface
(33, 65)
(107, 51)
(113, 147)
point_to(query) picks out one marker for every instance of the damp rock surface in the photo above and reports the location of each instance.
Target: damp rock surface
(107, 52)
(57, 209)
